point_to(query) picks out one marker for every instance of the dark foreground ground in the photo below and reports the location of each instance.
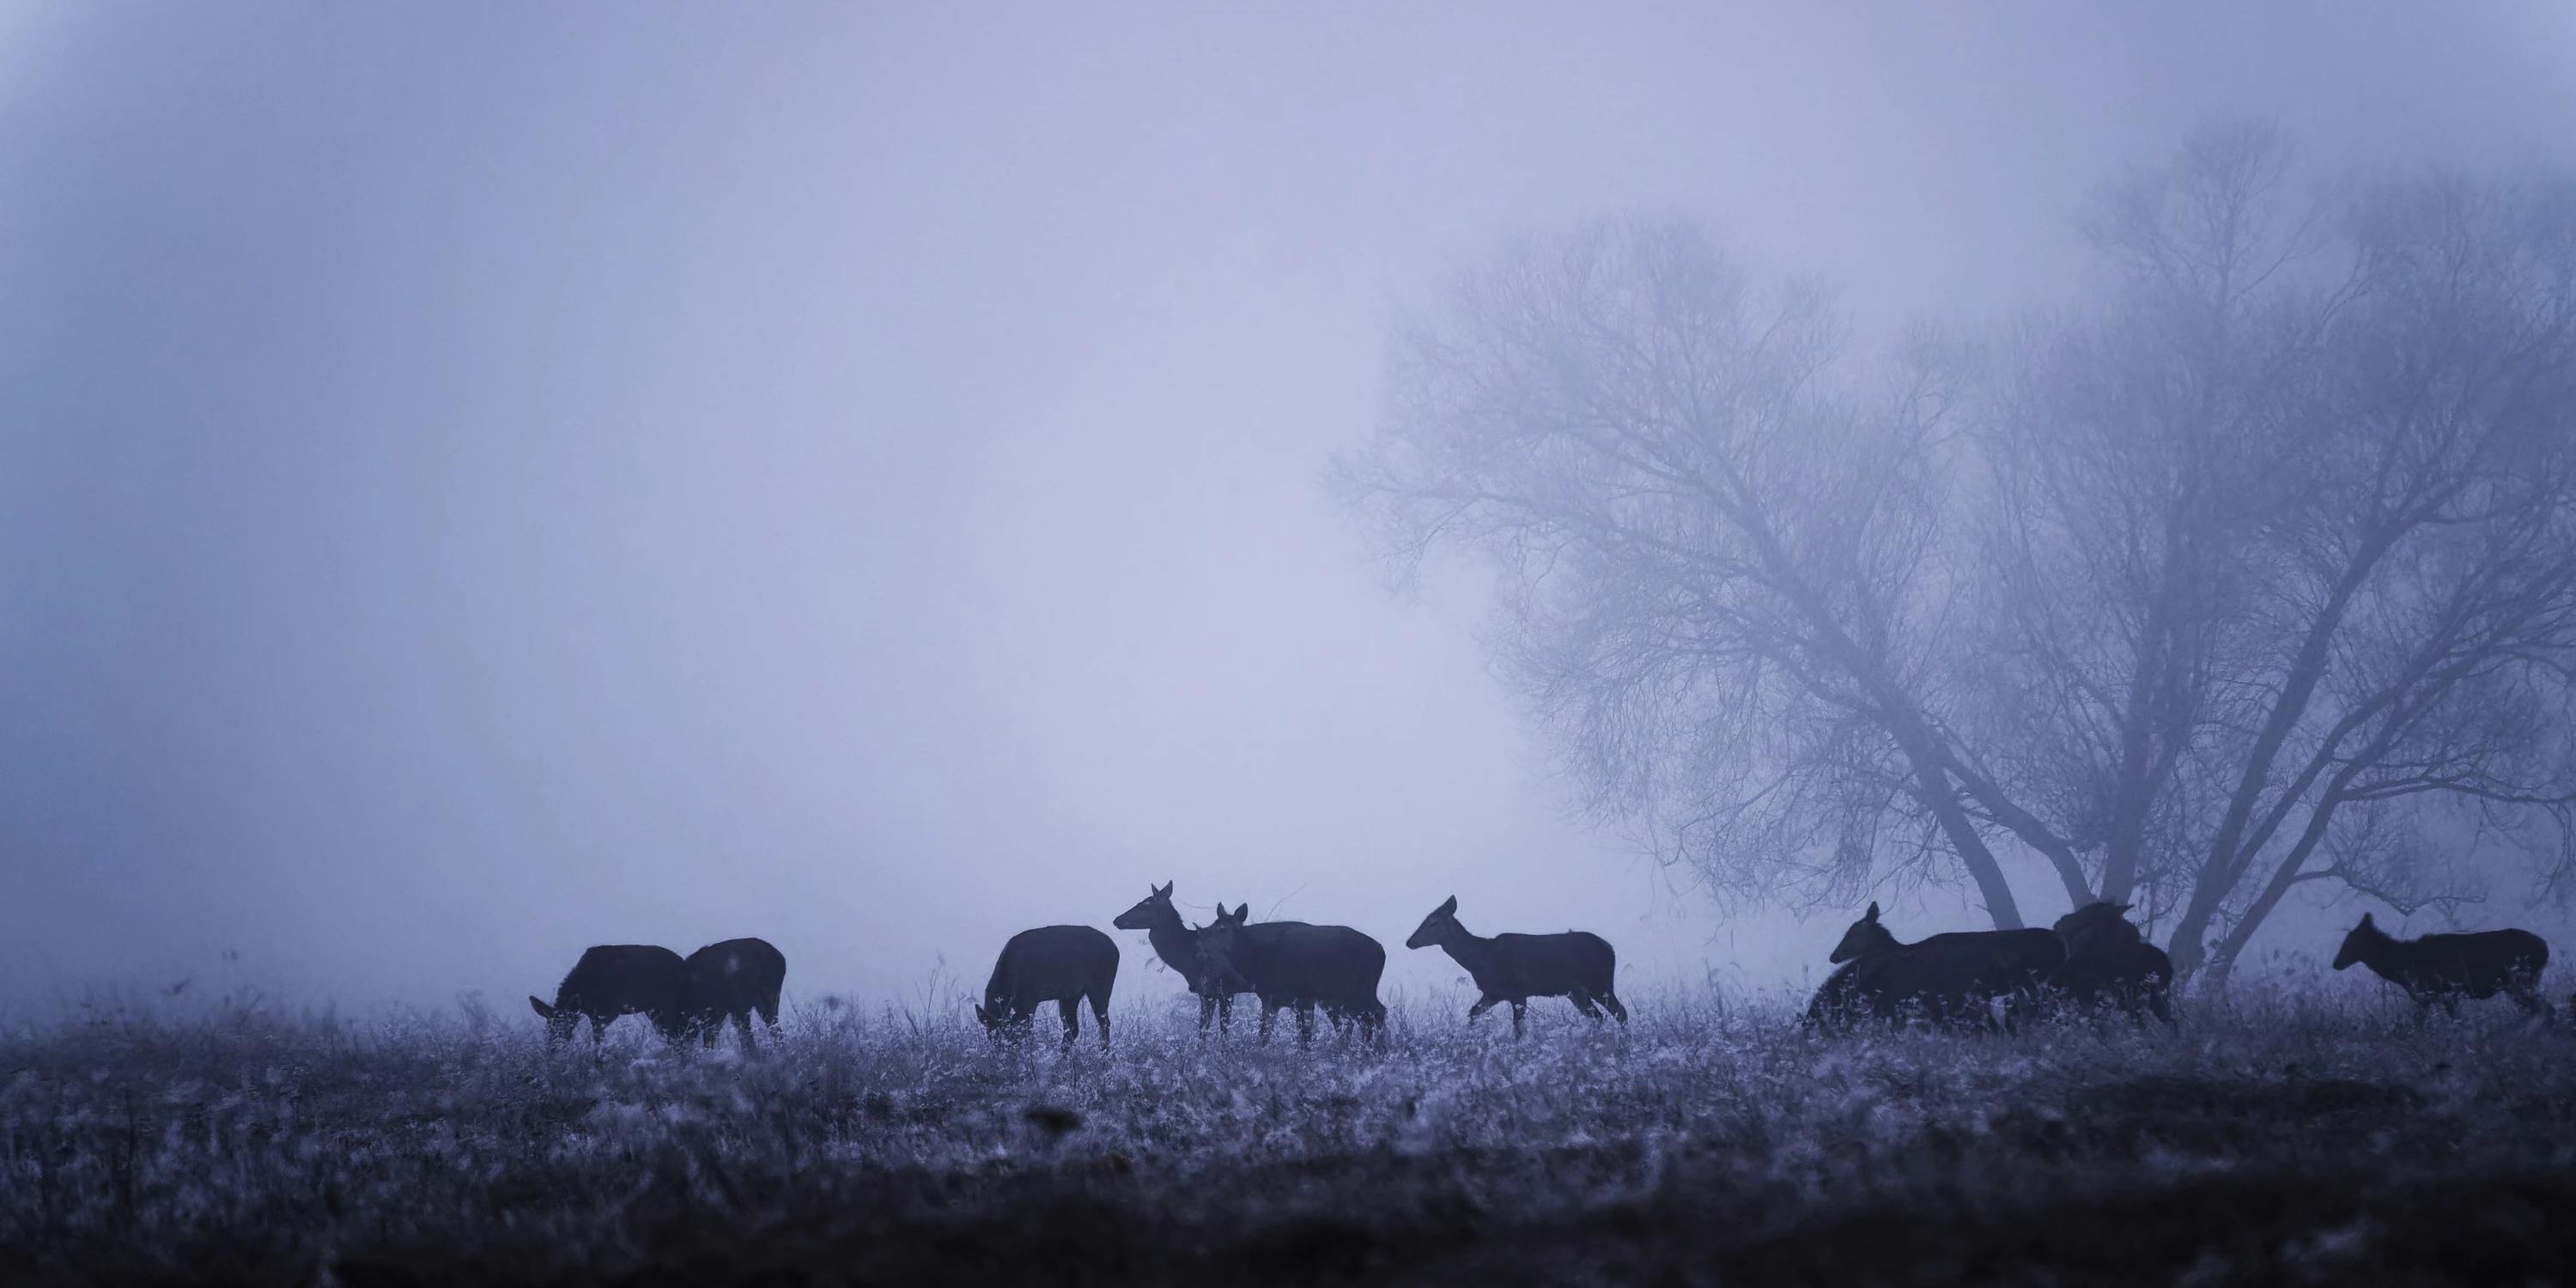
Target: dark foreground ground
(2279, 1138)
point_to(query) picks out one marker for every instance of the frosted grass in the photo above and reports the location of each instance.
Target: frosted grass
(139, 1131)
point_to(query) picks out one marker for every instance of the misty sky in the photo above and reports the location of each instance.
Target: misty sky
(478, 481)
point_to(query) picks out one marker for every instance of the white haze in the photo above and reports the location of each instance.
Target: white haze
(481, 481)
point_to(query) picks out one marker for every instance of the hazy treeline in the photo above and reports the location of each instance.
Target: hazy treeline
(2253, 567)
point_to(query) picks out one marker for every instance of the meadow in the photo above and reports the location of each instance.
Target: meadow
(2303, 1131)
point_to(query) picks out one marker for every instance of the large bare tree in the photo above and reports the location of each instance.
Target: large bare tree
(2280, 571)
(2258, 569)
(1721, 574)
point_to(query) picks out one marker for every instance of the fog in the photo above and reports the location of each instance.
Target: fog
(478, 482)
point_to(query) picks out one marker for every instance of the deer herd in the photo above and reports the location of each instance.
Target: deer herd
(2092, 959)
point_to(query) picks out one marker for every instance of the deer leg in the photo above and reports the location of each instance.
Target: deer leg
(1483, 1004)
(1225, 1012)
(1269, 1014)
(1207, 1011)
(1583, 1002)
(1069, 1009)
(1617, 1011)
(1305, 1024)
(1520, 1011)
(742, 1025)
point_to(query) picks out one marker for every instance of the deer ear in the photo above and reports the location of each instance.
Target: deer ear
(2123, 907)
(544, 1012)
(2365, 921)
(1449, 907)
(1165, 892)
(1872, 914)
(1241, 911)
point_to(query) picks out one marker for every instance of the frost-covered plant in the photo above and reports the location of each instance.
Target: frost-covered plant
(321, 1133)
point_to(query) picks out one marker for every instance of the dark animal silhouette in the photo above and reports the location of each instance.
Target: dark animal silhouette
(1577, 965)
(729, 981)
(1178, 945)
(2445, 968)
(1950, 978)
(1841, 1000)
(2109, 963)
(612, 980)
(1291, 963)
(1059, 964)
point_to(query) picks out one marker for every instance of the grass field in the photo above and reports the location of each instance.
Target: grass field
(2280, 1137)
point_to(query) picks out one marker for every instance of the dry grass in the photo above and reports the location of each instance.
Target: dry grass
(2279, 1137)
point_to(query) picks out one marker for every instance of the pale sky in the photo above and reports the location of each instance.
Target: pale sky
(479, 481)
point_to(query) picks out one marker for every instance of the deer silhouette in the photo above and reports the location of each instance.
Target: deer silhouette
(1291, 963)
(2446, 968)
(729, 981)
(1576, 965)
(612, 980)
(1178, 945)
(1059, 964)
(2109, 962)
(1952, 978)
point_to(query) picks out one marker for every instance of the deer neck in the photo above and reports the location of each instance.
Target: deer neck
(1466, 949)
(1177, 945)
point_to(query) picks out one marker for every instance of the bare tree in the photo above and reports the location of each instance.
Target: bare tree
(2260, 570)
(2279, 532)
(1720, 566)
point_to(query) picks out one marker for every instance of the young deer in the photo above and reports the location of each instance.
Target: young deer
(1576, 965)
(2445, 968)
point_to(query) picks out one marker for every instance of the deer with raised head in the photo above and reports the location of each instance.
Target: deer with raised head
(1293, 964)
(2446, 968)
(1576, 965)
(1952, 978)
(1178, 945)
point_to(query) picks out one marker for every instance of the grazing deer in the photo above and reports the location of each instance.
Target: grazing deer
(1576, 965)
(1059, 964)
(2107, 960)
(1290, 963)
(730, 980)
(1952, 977)
(1178, 946)
(2443, 968)
(612, 980)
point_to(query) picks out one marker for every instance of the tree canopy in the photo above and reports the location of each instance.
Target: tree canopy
(2254, 567)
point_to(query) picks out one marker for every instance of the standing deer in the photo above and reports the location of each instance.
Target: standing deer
(1059, 964)
(1178, 945)
(1948, 978)
(1290, 963)
(2443, 968)
(1577, 965)
(729, 981)
(2107, 960)
(612, 980)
